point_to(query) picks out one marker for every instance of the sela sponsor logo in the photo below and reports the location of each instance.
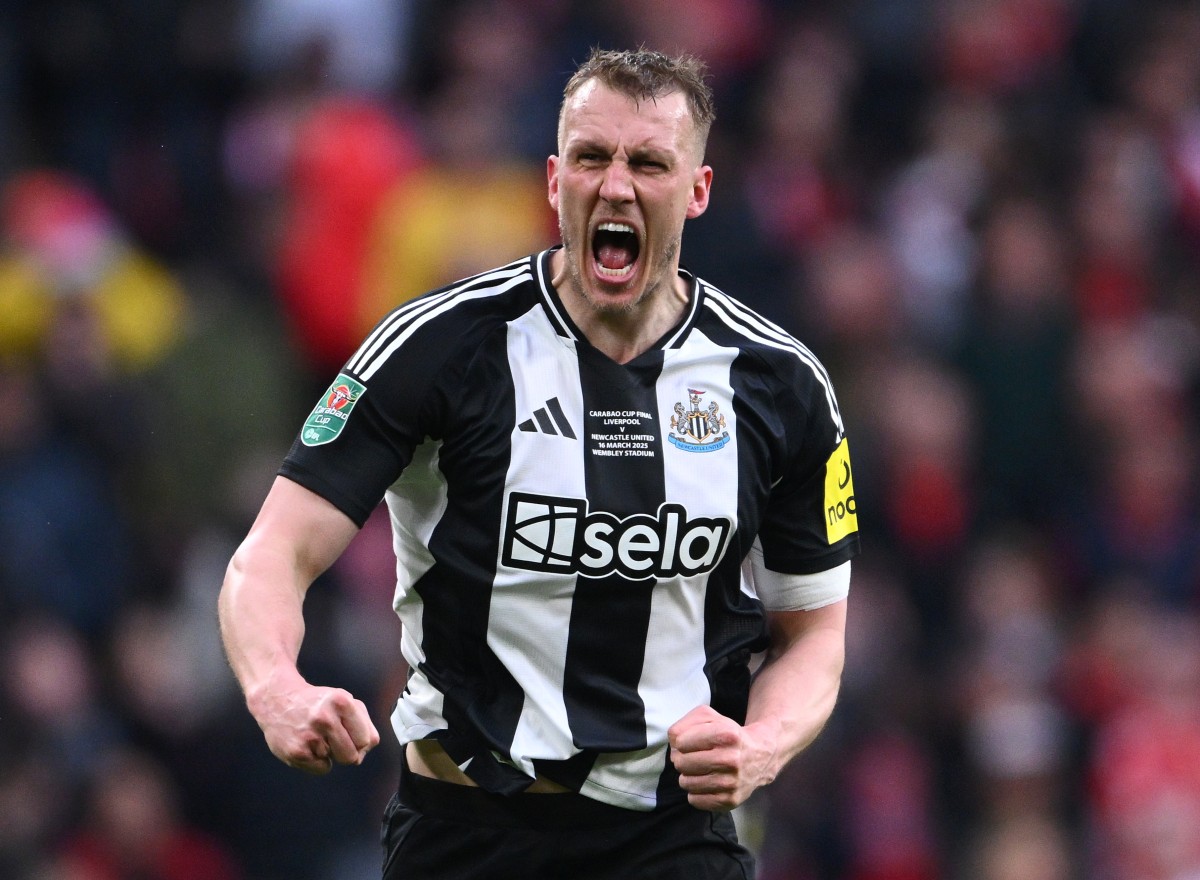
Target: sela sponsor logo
(841, 510)
(552, 534)
(329, 416)
(698, 429)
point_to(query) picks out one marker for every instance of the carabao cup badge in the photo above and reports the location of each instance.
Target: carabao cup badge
(331, 412)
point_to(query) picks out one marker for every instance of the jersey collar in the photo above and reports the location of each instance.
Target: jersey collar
(564, 326)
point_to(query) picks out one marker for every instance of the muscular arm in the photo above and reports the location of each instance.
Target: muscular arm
(721, 762)
(296, 537)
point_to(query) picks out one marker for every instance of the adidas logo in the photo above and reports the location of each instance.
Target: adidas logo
(549, 419)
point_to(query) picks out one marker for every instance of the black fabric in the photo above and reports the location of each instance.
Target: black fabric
(570, 531)
(436, 830)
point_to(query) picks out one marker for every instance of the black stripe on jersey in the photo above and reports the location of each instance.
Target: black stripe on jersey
(401, 323)
(483, 701)
(753, 326)
(765, 328)
(734, 626)
(422, 304)
(610, 616)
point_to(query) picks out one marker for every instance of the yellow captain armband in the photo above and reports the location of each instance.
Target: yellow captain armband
(841, 511)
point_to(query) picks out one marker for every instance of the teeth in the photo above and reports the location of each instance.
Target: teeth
(616, 274)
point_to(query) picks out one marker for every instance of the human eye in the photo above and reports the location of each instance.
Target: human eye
(650, 164)
(590, 156)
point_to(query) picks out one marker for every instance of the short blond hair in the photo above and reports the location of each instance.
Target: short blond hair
(643, 74)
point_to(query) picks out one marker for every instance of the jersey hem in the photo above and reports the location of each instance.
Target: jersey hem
(317, 486)
(846, 551)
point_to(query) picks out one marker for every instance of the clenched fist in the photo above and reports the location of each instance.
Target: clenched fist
(720, 762)
(312, 728)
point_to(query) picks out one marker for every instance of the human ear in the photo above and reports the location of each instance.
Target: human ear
(552, 181)
(701, 186)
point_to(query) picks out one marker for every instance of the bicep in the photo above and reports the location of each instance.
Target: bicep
(299, 529)
(787, 628)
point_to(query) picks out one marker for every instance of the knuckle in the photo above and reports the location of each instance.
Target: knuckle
(319, 724)
(327, 700)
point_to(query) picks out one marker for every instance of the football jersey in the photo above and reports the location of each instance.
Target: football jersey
(573, 536)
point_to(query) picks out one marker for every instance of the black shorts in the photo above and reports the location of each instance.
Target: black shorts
(436, 830)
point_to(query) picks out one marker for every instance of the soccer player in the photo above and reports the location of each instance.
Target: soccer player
(613, 490)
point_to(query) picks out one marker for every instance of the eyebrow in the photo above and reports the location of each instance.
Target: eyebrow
(656, 153)
(582, 144)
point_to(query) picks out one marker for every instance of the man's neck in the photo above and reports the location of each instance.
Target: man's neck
(621, 335)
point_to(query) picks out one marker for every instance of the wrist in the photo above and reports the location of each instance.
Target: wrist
(764, 738)
(262, 689)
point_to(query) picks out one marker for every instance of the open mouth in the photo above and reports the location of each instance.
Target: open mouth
(615, 247)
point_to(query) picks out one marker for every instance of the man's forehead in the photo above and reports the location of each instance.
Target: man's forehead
(596, 108)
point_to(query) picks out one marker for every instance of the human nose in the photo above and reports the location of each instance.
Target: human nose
(617, 185)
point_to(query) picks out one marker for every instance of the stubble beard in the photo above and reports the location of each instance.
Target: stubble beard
(575, 278)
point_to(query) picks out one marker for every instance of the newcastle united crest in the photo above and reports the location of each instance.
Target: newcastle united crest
(700, 428)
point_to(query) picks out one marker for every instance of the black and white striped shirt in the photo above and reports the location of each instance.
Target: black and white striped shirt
(577, 539)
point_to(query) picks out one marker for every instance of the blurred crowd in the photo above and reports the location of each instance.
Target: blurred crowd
(983, 215)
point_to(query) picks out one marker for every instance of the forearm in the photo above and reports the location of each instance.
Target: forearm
(262, 624)
(795, 691)
(260, 608)
(296, 537)
(721, 762)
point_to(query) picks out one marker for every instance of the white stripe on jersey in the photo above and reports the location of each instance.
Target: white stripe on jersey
(415, 505)
(627, 779)
(542, 367)
(737, 317)
(679, 603)
(408, 318)
(418, 712)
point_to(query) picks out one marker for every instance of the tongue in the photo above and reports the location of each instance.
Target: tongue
(613, 256)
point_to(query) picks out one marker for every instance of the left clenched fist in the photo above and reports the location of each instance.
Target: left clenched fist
(720, 762)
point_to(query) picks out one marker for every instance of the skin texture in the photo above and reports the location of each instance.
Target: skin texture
(720, 762)
(637, 163)
(296, 536)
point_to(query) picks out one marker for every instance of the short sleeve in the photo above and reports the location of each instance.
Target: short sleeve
(363, 430)
(810, 522)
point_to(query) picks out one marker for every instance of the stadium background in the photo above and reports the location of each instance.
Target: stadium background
(984, 216)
